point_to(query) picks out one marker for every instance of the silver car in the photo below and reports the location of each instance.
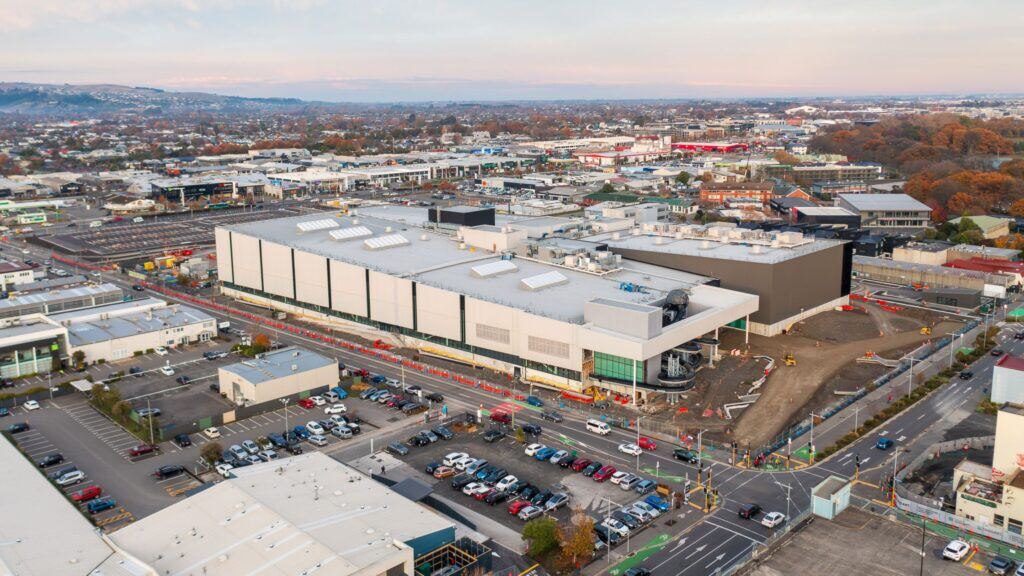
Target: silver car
(341, 432)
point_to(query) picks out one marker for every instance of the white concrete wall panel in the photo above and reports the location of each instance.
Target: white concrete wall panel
(551, 330)
(311, 278)
(494, 315)
(390, 299)
(247, 270)
(437, 312)
(277, 270)
(348, 288)
(224, 270)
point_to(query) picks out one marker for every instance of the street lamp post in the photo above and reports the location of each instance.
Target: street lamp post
(638, 443)
(910, 380)
(700, 448)
(286, 429)
(788, 488)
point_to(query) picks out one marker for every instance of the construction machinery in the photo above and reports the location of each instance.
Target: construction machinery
(926, 330)
(790, 359)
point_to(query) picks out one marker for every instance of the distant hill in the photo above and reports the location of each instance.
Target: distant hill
(26, 98)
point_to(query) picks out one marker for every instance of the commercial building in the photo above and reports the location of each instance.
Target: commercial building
(553, 311)
(909, 273)
(1008, 380)
(825, 215)
(932, 253)
(276, 374)
(14, 273)
(715, 193)
(187, 188)
(992, 227)
(56, 301)
(897, 212)
(824, 172)
(994, 495)
(301, 515)
(794, 276)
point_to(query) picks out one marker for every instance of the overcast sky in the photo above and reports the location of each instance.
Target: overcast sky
(408, 50)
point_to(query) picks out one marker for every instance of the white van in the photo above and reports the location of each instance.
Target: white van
(598, 427)
(331, 396)
(95, 224)
(138, 220)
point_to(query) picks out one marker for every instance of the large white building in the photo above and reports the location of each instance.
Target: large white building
(555, 312)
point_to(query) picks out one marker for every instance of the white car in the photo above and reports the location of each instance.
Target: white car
(532, 449)
(225, 470)
(643, 508)
(167, 371)
(251, 447)
(773, 519)
(161, 351)
(480, 488)
(631, 449)
(619, 476)
(318, 400)
(505, 483)
(70, 478)
(558, 456)
(31, 405)
(211, 432)
(453, 458)
(335, 409)
(956, 550)
(314, 427)
(472, 487)
(461, 465)
(615, 526)
(317, 439)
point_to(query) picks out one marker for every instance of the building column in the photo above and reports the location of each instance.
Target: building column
(634, 383)
(746, 330)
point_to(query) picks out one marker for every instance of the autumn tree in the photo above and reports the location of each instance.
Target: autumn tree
(211, 452)
(576, 539)
(783, 157)
(261, 341)
(541, 535)
(1017, 208)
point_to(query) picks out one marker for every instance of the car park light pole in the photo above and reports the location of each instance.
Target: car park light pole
(953, 336)
(788, 488)
(700, 449)
(285, 402)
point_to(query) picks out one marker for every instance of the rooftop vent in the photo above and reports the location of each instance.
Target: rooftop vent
(382, 242)
(310, 226)
(353, 233)
(493, 269)
(541, 281)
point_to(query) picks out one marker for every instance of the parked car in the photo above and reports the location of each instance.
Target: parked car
(529, 513)
(453, 457)
(551, 415)
(645, 486)
(460, 481)
(444, 472)
(749, 510)
(644, 511)
(566, 461)
(631, 522)
(502, 417)
(531, 429)
(267, 455)
(307, 404)
(619, 476)
(604, 473)
(317, 439)
(607, 536)
(616, 526)
(657, 502)
(443, 432)
(50, 460)
(495, 496)
(183, 440)
(142, 450)
(250, 446)
(556, 501)
(314, 427)
(773, 519)
(135, 371)
(18, 427)
(97, 506)
(532, 449)
(631, 449)
(592, 469)
(342, 432)
(183, 380)
(318, 400)
(167, 371)
(516, 507)
(73, 477)
(211, 432)
(1001, 566)
(545, 453)
(434, 397)
(168, 471)
(335, 409)
(579, 464)
(86, 494)
(148, 412)
(493, 435)
(160, 350)
(956, 550)
(301, 432)
(398, 449)
(276, 440)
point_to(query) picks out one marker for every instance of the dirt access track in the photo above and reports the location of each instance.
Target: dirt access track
(826, 348)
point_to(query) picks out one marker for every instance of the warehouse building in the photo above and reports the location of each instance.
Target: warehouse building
(794, 276)
(935, 276)
(1008, 380)
(556, 312)
(188, 188)
(895, 212)
(14, 273)
(276, 374)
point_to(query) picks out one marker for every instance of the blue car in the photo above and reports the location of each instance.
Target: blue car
(883, 443)
(657, 502)
(534, 401)
(277, 440)
(365, 394)
(341, 392)
(4, 412)
(545, 454)
(301, 432)
(97, 506)
(378, 379)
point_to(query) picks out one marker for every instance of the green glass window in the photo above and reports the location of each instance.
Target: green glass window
(617, 367)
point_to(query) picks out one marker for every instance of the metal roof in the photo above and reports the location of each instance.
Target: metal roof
(278, 364)
(884, 202)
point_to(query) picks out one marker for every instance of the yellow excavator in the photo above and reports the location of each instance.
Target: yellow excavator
(790, 359)
(926, 330)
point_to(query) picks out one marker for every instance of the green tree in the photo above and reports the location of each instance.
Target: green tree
(683, 178)
(78, 358)
(541, 535)
(608, 188)
(121, 411)
(211, 452)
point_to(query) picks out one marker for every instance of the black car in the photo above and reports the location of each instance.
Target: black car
(51, 460)
(551, 415)
(997, 352)
(1000, 566)
(293, 448)
(607, 536)
(1018, 336)
(629, 520)
(566, 461)
(748, 511)
(419, 440)
(434, 397)
(529, 492)
(496, 497)
(18, 427)
(183, 380)
(966, 375)
(685, 455)
(540, 498)
(168, 471)
(461, 480)
(443, 432)
(430, 467)
(137, 287)
(520, 488)
(637, 571)
(531, 429)
(495, 475)
(215, 387)
(493, 435)
(594, 467)
(183, 440)
(135, 371)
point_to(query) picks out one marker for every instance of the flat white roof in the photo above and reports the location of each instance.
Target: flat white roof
(297, 515)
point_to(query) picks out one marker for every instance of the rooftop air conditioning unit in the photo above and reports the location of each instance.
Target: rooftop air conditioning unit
(355, 221)
(424, 237)
(387, 229)
(295, 367)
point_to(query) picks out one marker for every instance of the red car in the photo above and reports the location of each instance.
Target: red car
(481, 495)
(142, 449)
(86, 494)
(604, 473)
(516, 506)
(647, 444)
(502, 417)
(361, 372)
(307, 404)
(580, 464)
